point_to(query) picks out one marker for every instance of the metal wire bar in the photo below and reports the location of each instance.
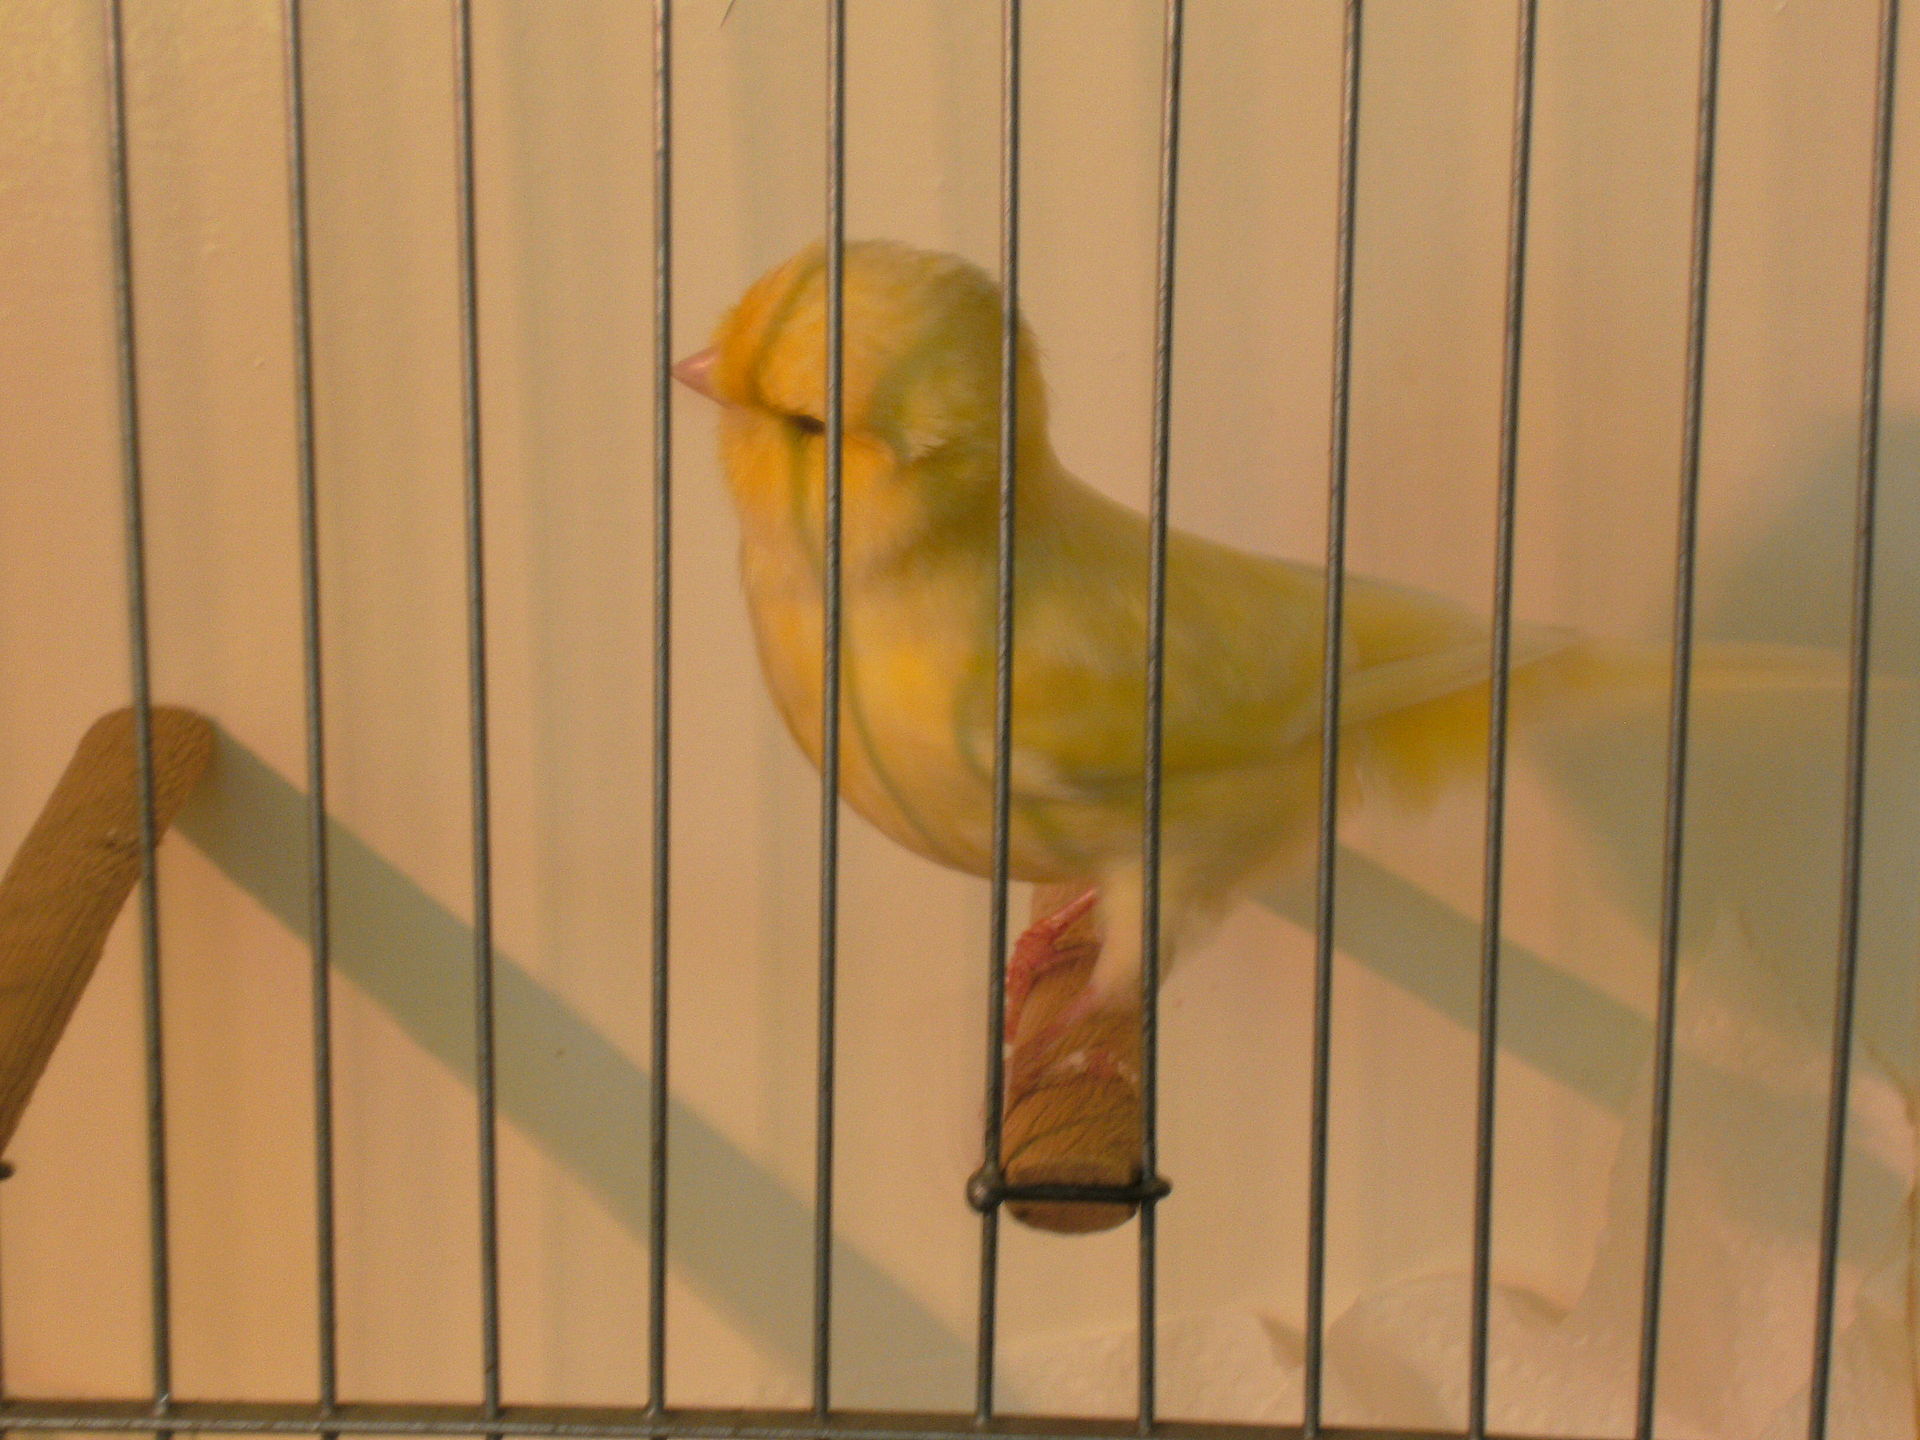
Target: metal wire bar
(4, 1173)
(318, 896)
(596, 1423)
(1685, 548)
(1002, 688)
(1501, 668)
(1156, 697)
(141, 648)
(830, 705)
(1325, 879)
(330, 1417)
(1067, 1192)
(1839, 1084)
(662, 692)
(477, 716)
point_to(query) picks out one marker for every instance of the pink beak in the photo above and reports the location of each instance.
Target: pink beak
(696, 372)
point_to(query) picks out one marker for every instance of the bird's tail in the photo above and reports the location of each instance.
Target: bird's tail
(1414, 750)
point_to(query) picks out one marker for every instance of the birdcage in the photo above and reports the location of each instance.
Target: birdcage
(581, 1081)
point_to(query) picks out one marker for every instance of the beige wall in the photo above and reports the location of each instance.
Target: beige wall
(563, 145)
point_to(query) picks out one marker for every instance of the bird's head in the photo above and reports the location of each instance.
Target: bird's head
(920, 386)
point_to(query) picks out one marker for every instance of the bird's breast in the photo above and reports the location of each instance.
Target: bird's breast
(905, 647)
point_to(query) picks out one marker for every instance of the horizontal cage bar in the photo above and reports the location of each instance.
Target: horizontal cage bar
(268, 1418)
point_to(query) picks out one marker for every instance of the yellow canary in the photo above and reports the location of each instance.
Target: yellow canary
(1243, 651)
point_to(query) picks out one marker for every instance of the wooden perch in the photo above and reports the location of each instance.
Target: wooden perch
(74, 871)
(1068, 1121)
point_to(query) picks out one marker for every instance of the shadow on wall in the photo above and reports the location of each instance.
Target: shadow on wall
(415, 958)
(1766, 806)
(1767, 772)
(1763, 842)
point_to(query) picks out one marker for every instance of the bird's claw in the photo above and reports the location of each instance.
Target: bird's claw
(1071, 1106)
(1043, 948)
(1062, 938)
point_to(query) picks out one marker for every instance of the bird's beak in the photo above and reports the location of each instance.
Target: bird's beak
(696, 372)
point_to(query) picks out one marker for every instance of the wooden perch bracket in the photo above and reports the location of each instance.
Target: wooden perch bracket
(71, 877)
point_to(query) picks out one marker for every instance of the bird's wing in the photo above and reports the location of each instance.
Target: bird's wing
(1243, 659)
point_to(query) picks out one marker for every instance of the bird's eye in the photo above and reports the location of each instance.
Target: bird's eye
(806, 424)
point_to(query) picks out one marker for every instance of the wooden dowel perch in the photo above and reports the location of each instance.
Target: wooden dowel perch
(1074, 1113)
(74, 871)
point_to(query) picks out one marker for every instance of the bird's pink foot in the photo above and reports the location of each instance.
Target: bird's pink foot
(1063, 938)
(1072, 1106)
(1047, 945)
(1046, 1053)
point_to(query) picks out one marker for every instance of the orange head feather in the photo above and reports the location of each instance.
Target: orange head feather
(920, 396)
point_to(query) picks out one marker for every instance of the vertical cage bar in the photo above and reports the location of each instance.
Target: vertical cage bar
(662, 692)
(830, 709)
(6, 1171)
(1839, 1085)
(1002, 688)
(477, 715)
(1501, 674)
(1326, 879)
(141, 648)
(1156, 695)
(1685, 548)
(318, 895)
